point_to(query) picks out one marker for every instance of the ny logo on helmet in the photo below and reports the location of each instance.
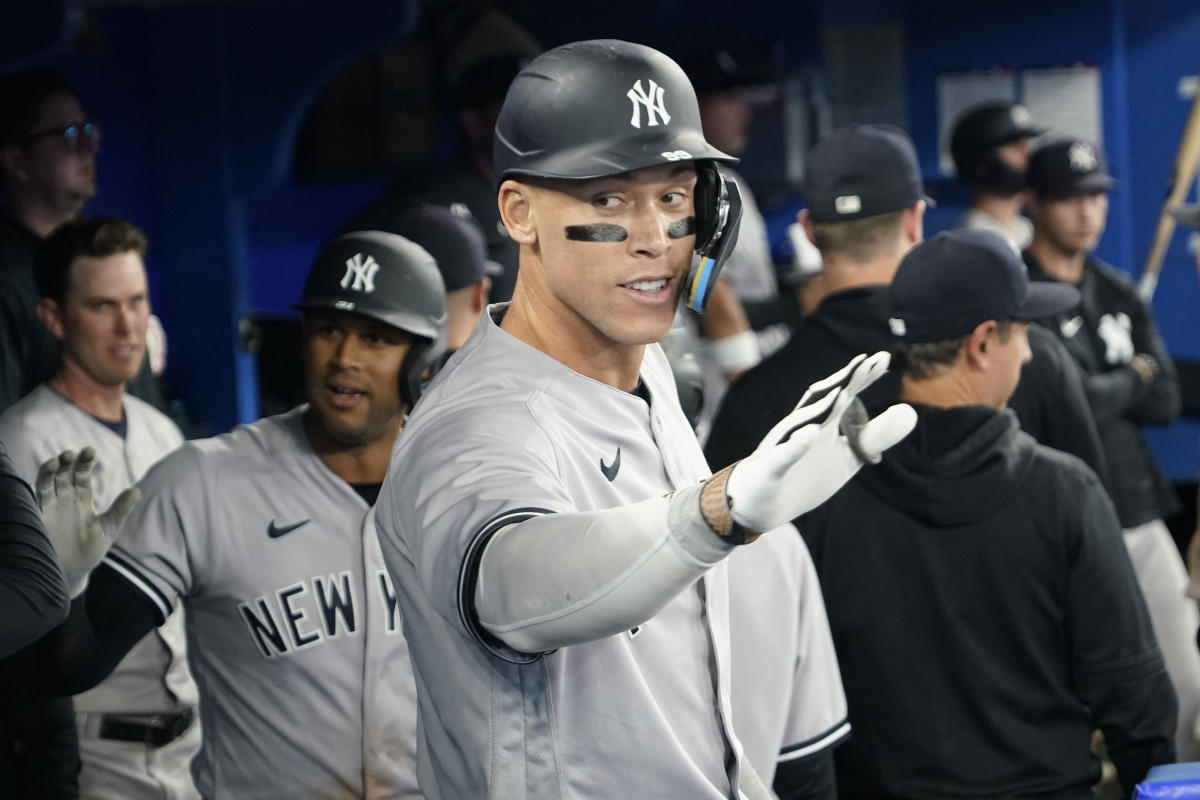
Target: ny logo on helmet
(362, 271)
(651, 100)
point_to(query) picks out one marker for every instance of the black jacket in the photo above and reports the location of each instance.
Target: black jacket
(1049, 399)
(28, 351)
(986, 619)
(1109, 326)
(39, 752)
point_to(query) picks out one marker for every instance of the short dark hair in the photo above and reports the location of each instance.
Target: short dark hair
(921, 361)
(22, 95)
(858, 240)
(94, 237)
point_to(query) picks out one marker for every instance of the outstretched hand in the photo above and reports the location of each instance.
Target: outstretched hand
(816, 448)
(80, 536)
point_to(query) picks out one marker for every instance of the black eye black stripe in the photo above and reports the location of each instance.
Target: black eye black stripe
(597, 232)
(604, 232)
(681, 228)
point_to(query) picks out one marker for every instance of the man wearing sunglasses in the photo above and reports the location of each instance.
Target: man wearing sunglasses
(47, 173)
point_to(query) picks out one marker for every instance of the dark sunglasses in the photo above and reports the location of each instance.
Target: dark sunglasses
(76, 135)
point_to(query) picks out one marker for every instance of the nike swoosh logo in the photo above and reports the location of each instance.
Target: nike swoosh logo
(610, 472)
(274, 531)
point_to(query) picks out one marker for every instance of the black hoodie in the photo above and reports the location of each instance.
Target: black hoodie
(986, 619)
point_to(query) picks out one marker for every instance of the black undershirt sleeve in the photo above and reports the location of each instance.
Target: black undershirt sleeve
(808, 778)
(104, 624)
(33, 592)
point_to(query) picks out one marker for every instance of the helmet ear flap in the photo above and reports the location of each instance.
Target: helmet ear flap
(718, 209)
(421, 363)
(709, 185)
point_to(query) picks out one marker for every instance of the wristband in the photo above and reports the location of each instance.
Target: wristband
(735, 353)
(715, 508)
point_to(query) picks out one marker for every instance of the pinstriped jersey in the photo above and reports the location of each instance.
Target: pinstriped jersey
(293, 625)
(506, 432)
(153, 677)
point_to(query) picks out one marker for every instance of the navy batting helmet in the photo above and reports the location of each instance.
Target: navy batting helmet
(388, 278)
(978, 133)
(603, 107)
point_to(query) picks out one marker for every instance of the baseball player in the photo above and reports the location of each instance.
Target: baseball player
(548, 519)
(264, 535)
(137, 731)
(990, 145)
(1130, 381)
(986, 614)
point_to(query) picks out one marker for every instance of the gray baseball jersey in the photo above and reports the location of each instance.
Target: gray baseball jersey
(788, 700)
(505, 433)
(153, 677)
(292, 620)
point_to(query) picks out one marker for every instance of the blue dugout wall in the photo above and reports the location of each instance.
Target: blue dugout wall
(201, 103)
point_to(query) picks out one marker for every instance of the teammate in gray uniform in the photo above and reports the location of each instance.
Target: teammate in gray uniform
(265, 535)
(137, 729)
(549, 521)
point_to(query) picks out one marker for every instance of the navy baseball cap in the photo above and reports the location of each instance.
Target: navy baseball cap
(453, 238)
(862, 171)
(948, 285)
(1067, 168)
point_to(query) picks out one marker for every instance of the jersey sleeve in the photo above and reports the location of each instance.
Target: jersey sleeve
(1160, 402)
(156, 546)
(453, 483)
(33, 592)
(817, 713)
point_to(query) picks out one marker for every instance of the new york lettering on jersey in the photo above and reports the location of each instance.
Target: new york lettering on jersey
(276, 561)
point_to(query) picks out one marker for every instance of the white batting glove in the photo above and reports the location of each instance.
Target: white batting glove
(801, 463)
(80, 536)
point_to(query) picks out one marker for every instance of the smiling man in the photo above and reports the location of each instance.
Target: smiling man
(549, 520)
(94, 299)
(264, 535)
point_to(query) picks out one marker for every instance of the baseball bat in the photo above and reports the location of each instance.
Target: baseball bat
(1182, 172)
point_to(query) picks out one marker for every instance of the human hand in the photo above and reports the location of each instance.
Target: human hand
(1145, 365)
(80, 536)
(802, 462)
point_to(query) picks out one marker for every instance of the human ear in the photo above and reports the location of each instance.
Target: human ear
(979, 344)
(51, 315)
(516, 212)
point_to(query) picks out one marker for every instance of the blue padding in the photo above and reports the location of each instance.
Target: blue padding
(1174, 781)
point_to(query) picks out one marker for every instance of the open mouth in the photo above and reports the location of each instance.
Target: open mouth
(344, 396)
(648, 287)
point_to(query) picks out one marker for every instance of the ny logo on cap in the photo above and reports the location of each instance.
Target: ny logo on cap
(1020, 117)
(362, 271)
(651, 100)
(1083, 157)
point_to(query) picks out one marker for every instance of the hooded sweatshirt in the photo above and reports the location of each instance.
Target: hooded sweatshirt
(986, 619)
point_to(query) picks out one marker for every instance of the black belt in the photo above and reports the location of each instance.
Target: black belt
(152, 729)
